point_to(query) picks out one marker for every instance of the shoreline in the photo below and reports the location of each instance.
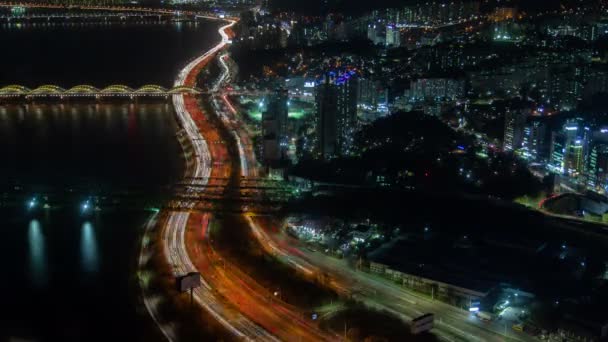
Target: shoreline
(173, 233)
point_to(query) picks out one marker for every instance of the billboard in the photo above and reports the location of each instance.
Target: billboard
(422, 323)
(189, 281)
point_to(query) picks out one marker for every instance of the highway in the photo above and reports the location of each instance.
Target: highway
(241, 305)
(252, 299)
(451, 323)
(174, 232)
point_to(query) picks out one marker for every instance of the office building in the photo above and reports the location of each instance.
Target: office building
(570, 149)
(274, 127)
(533, 142)
(515, 121)
(393, 36)
(597, 167)
(336, 113)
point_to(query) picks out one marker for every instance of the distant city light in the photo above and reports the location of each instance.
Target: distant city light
(86, 206)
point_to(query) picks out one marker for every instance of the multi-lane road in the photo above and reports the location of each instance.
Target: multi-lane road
(452, 324)
(243, 307)
(237, 301)
(199, 132)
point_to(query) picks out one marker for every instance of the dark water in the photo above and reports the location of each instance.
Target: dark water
(100, 54)
(100, 144)
(69, 278)
(66, 277)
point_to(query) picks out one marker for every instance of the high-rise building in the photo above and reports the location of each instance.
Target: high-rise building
(430, 89)
(558, 151)
(596, 82)
(375, 33)
(574, 159)
(393, 36)
(569, 149)
(597, 167)
(515, 122)
(336, 109)
(371, 93)
(274, 127)
(533, 143)
(565, 87)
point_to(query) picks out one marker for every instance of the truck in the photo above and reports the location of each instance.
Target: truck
(485, 316)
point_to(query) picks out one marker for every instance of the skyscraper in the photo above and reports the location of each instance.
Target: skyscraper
(597, 167)
(569, 148)
(336, 109)
(515, 120)
(274, 126)
(533, 144)
(393, 36)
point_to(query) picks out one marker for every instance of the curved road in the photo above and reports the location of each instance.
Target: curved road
(175, 247)
(241, 305)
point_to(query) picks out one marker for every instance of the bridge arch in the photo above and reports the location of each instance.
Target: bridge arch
(82, 89)
(184, 90)
(14, 89)
(47, 89)
(117, 89)
(151, 89)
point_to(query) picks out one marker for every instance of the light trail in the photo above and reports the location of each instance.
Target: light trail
(175, 246)
(385, 295)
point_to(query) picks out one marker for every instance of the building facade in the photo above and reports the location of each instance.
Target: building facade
(336, 113)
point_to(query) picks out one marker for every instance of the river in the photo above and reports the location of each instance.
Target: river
(68, 276)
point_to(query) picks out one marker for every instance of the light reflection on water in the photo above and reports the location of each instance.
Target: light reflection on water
(88, 249)
(38, 263)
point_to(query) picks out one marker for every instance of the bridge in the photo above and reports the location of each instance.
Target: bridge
(90, 91)
(90, 15)
(110, 6)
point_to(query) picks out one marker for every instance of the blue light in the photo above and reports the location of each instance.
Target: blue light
(85, 206)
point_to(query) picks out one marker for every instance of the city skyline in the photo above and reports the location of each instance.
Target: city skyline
(319, 171)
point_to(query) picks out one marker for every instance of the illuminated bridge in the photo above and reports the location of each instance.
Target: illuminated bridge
(90, 91)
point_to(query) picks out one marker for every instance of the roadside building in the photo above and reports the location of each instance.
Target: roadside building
(461, 291)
